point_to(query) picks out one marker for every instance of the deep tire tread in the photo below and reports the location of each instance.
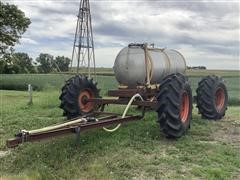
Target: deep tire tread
(206, 97)
(168, 107)
(70, 93)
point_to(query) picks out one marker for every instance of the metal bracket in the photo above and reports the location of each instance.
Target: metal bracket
(77, 131)
(143, 111)
(102, 107)
(23, 135)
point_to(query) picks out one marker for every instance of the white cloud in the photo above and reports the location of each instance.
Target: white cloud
(207, 33)
(26, 40)
(105, 56)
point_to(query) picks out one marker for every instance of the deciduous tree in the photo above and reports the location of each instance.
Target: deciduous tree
(24, 62)
(45, 63)
(62, 63)
(13, 24)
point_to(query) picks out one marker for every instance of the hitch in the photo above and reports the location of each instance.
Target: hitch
(69, 128)
(92, 120)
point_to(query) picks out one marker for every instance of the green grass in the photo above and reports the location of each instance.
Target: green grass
(189, 72)
(210, 150)
(48, 81)
(55, 81)
(223, 73)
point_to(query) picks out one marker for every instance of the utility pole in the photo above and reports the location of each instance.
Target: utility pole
(83, 46)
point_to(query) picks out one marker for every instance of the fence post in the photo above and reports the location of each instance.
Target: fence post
(30, 102)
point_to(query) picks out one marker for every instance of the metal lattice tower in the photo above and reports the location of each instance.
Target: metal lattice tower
(83, 47)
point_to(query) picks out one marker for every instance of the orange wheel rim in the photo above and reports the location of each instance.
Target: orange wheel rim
(83, 105)
(219, 99)
(184, 109)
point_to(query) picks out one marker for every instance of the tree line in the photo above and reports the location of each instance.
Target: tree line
(20, 62)
(197, 67)
(13, 24)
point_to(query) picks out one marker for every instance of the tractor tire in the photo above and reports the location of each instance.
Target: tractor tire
(74, 92)
(174, 105)
(212, 97)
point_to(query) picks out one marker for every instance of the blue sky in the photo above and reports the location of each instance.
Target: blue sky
(205, 32)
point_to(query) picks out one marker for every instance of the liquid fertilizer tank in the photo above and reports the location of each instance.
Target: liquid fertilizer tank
(139, 64)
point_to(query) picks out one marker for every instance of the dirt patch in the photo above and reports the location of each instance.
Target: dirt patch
(227, 131)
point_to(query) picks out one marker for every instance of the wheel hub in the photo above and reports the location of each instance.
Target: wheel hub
(82, 100)
(219, 99)
(184, 108)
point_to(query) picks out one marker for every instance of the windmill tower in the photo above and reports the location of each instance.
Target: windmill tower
(83, 47)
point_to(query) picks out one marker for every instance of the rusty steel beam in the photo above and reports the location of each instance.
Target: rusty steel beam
(101, 101)
(132, 92)
(98, 113)
(72, 129)
(125, 92)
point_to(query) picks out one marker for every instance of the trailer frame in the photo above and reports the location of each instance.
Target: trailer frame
(95, 119)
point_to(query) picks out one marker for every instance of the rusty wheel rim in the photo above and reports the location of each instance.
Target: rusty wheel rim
(184, 108)
(83, 96)
(219, 99)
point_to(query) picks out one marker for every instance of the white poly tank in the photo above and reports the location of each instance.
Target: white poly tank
(130, 68)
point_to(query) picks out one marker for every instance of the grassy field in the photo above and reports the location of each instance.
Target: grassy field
(138, 150)
(189, 72)
(55, 81)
